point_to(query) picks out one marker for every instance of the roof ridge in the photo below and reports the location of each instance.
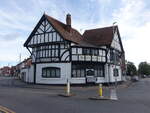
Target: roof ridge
(54, 19)
(101, 28)
(73, 35)
(62, 23)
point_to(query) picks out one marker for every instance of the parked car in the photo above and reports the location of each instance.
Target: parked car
(135, 78)
(144, 76)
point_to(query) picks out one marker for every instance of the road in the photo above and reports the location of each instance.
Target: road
(23, 98)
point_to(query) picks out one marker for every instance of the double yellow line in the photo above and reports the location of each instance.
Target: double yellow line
(5, 110)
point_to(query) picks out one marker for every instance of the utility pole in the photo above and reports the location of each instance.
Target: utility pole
(113, 95)
(19, 57)
(115, 59)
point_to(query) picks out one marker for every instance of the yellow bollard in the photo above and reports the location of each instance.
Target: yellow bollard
(100, 94)
(100, 90)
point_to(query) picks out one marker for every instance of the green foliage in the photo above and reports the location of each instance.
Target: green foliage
(144, 68)
(131, 69)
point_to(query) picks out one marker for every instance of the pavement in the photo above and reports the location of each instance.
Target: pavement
(20, 97)
(15, 82)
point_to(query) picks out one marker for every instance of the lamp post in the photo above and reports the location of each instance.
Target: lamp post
(113, 95)
(115, 59)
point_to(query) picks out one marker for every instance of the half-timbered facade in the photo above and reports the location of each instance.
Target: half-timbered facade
(60, 53)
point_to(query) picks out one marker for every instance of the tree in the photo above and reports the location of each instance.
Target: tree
(144, 68)
(131, 69)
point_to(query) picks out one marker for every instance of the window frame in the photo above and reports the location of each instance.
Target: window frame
(56, 70)
(115, 72)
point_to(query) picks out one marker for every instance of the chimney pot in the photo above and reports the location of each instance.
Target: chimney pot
(68, 20)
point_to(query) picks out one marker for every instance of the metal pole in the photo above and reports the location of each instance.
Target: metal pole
(113, 92)
(115, 72)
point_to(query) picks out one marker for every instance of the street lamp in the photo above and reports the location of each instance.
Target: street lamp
(113, 95)
(115, 59)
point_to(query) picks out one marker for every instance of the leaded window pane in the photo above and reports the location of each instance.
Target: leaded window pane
(78, 72)
(57, 72)
(51, 72)
(48, 72)
(74, 73)
(82, 73)
(44, 73)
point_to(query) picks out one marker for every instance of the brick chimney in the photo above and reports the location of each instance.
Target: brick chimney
(68, 22)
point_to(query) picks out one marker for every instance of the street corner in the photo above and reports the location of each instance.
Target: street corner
(5, 110)
(126, 84)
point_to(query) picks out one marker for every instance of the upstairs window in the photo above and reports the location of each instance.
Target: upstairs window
(113, 54)
(51, 72)
(88, 51)
(49, 51)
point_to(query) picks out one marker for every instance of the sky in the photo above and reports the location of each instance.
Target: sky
(19, 17)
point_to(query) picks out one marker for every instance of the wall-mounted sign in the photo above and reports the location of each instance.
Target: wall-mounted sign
(90, 79)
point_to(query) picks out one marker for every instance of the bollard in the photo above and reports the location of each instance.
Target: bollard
(67, 90)
(100, 90)
(100, 94)
(68, 87)
(113, 94)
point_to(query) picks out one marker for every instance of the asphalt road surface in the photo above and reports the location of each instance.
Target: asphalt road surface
(23, 98)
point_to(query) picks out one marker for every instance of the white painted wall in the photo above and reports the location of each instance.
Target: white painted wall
(30, 78)
(78, 80)
(109, 74)
(108, 56)
(40, 38)
(65, 73)
(112, 78)
(64, 55)
(29, 74)
(115, 43)
(101, 80)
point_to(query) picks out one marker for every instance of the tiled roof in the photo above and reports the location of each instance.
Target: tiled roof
(73, 35)
(100, 36)
(90, 38)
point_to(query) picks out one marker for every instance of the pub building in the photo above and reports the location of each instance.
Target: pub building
(60, 53)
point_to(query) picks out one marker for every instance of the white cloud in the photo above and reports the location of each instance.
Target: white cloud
(10, 50)
(133, 21)
(18, 19)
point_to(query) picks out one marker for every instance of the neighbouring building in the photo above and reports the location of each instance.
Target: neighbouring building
(24, 70)
(1, 71)
(60, 53)
(6, 71)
